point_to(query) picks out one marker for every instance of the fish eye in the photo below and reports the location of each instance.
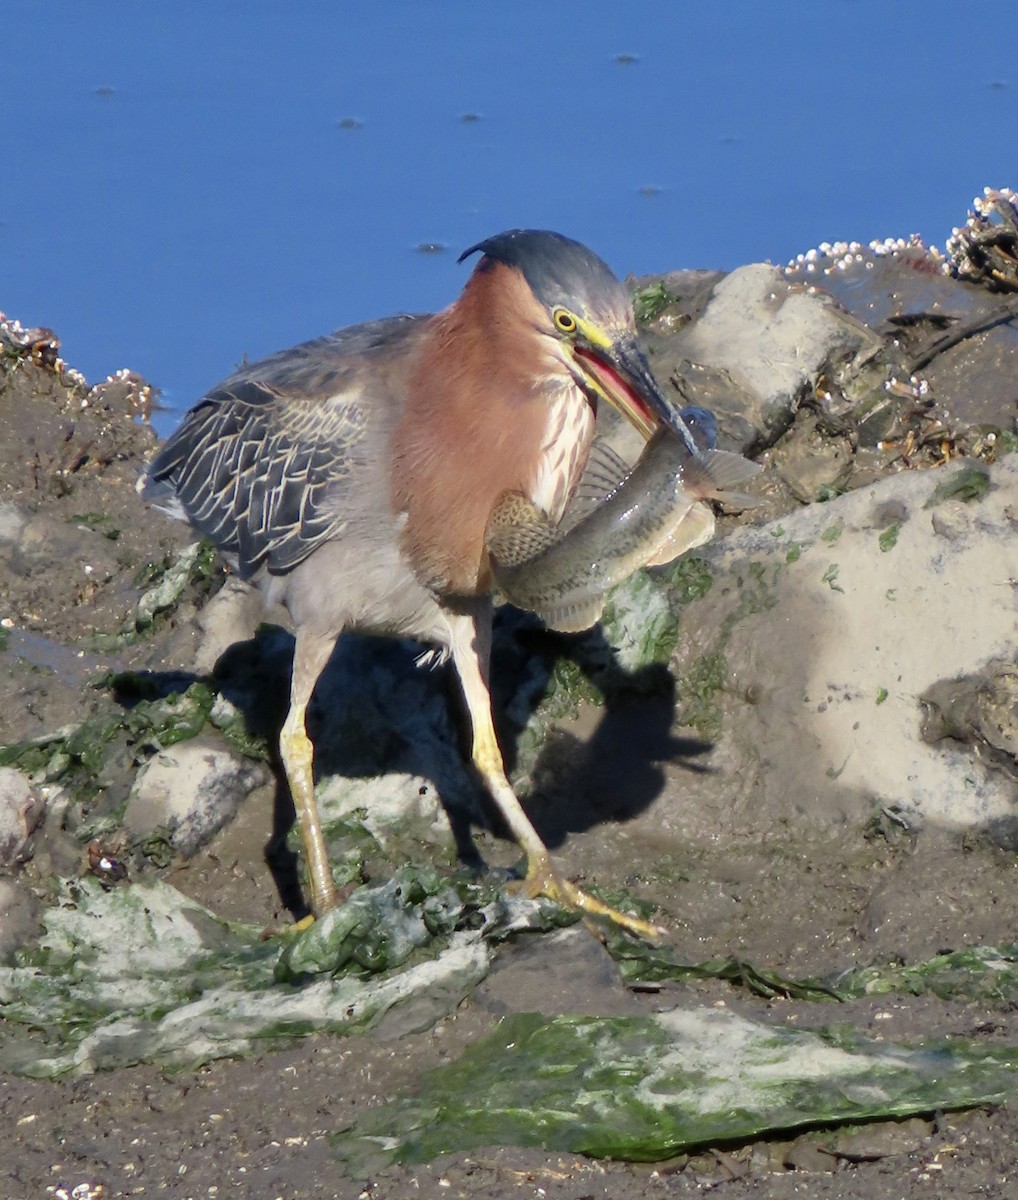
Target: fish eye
(565, 322)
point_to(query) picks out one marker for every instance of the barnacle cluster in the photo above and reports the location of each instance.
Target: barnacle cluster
(831, 257)
(985, 248)
(41, 346)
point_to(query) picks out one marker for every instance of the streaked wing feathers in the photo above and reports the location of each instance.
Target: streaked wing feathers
(260, 466)
(256, 471)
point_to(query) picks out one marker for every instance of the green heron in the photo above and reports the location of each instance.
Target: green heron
(352, 478)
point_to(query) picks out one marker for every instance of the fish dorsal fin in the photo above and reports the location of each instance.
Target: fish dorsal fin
(518, 530)
(604, 471)
(694, 529)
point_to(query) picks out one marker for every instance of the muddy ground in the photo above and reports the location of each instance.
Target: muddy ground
(802, 901)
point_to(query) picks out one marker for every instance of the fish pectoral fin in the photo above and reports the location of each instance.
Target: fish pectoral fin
(713, 474)
(517, 530)
(694, 529)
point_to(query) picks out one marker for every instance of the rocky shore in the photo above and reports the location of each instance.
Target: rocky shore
(797, 746)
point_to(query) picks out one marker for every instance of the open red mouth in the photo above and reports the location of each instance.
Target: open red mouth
(619, 392)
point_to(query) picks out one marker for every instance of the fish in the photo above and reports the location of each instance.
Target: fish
(621, 519)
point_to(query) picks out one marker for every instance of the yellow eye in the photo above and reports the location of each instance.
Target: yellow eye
(565, 322)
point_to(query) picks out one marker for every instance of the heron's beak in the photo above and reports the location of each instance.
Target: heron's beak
(619, 371)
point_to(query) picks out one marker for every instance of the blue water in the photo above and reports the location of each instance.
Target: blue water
(185, 184)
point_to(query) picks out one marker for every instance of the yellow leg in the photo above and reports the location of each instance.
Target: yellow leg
(471, 653)
(297, 753)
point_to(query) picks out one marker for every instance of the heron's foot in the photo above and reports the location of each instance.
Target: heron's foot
(333, 899)
(543, 880)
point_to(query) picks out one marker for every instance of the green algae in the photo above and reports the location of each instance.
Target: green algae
(968, 484)
(985, 973)
(690, 579)
(568, 687)
(889, 537)
(76, 755)
(140, 973)
(647, 1088)
(650, 302)
(97, 521)
(830, 577)
(380, 928)
(639, 622)
(193, 567)
(697, 691)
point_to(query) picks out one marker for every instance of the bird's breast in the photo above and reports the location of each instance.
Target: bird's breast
(563, 452)
(469, 434)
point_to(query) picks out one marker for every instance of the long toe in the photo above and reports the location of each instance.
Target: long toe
(543, 880)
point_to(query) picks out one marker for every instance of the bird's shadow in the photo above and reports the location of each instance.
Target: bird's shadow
(376, 710)
(611, 761)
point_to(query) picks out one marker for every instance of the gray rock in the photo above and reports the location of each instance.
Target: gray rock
(952, 520)
(12, 522)
(771, 340)
(807, 661)
(231, 616)
(566, 972)
(21, 811)
(190, 791)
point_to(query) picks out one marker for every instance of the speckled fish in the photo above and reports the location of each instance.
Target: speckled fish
(643, 517)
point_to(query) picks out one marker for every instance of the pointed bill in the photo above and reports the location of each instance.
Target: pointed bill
(620, 372)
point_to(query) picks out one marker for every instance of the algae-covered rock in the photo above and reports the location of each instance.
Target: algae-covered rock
(142, 974)
(649, 1088)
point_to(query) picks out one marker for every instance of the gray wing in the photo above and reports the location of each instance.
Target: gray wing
(260, 465)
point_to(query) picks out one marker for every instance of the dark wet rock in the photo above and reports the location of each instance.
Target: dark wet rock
(813, 466)
(954, 334)
(568, 972)
(19, 915)
(21, 811)
(978, 710)
(187, 792)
